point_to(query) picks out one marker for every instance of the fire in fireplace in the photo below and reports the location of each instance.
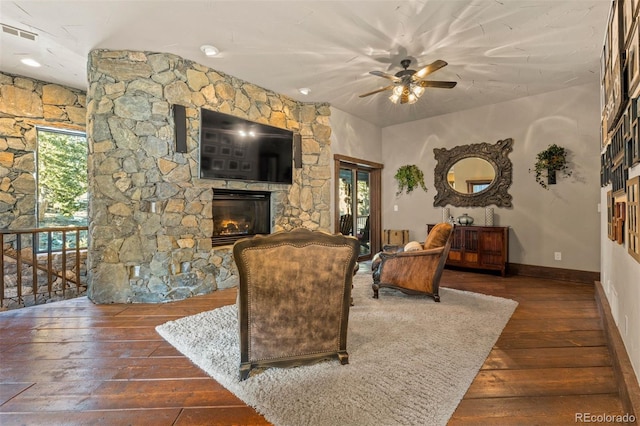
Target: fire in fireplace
(239, 214)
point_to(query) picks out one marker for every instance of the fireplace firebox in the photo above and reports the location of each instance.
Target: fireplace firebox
(239, 214)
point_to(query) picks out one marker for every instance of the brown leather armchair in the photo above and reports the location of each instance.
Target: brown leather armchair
(293, 297)
(415, 272)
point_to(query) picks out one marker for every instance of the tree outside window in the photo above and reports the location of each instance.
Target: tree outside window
(62, 179)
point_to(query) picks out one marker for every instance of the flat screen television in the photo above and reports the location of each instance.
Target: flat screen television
(237, 149)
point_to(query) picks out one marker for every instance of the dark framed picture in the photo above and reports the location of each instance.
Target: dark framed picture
(616, 89)
(628, 152)
(238, 152)
(615, 94)
(608, 96)
(621, 213)
(610, 215)
(635, 145)
(633, 217)
(633, 59)
(210, 149)
(604, 134)
(605, 55)
(246, 166)
(217, 164)
(225, 139)
(225, 150)
(234, 165)
(604, 170)
(627, 15)
(626, 126)
(614, 33)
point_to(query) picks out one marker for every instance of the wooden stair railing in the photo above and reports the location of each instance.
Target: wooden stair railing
(14, 250)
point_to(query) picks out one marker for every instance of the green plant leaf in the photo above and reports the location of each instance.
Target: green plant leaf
(409, 177)
(554, 158)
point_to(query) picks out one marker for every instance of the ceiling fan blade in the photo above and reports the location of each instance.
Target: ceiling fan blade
(385, 75)
(377, 91)
(434, 66)
(437, 84)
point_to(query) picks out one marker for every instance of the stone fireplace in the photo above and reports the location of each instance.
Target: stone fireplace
(151, 216)
(239, 214)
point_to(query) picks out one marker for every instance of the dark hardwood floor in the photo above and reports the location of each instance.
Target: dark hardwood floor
(74, 363)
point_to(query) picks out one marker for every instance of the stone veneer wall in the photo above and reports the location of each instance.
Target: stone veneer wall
(24, 104)
(150, 214)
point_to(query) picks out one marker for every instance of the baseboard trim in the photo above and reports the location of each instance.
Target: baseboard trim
(628, 386)
(572, 275)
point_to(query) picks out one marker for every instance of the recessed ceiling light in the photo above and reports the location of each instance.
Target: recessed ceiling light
(30, 62)
(209, 50)
(304, 90)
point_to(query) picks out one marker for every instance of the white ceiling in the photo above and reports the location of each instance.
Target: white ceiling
(496, 49)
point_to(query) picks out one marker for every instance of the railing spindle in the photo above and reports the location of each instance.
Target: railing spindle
(49, 263)
(77, 261)
(34, 267)
(19, 266)
(64, 262)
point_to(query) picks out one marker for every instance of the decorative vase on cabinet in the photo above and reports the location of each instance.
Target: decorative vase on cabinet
(465, 220)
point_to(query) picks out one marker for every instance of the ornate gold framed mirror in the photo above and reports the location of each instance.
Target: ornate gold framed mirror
(475, 175)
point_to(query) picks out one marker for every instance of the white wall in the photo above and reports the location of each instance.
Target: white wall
(620, 278)
(563, 219)
(353, 137)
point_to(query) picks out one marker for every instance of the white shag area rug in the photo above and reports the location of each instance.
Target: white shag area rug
(411, 359)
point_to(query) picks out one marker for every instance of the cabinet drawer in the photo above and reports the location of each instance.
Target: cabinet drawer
(471, 258)
(455, 256)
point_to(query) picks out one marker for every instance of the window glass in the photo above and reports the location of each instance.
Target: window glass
(62, 184)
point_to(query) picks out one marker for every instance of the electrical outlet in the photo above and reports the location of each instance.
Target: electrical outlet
(395, 207)
(557, 255)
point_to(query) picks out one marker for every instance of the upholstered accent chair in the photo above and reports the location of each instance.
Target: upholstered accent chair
(416, 271)
(293, 297)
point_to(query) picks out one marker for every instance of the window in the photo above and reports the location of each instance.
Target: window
(62, 184)
(475, 186)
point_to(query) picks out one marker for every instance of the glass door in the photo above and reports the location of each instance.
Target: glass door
(354, 205)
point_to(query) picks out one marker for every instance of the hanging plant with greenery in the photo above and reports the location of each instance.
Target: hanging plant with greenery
(409, 177)
(548, 162)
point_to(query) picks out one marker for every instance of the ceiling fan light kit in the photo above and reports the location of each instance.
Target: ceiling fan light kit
(411, 94)
(408, 85)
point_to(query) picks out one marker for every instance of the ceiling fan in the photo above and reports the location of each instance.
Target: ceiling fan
(408, 85)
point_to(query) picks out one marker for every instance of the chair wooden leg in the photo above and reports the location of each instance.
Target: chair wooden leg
(375, 287)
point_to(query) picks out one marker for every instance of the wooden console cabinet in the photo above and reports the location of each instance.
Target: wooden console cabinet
(480, 247)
